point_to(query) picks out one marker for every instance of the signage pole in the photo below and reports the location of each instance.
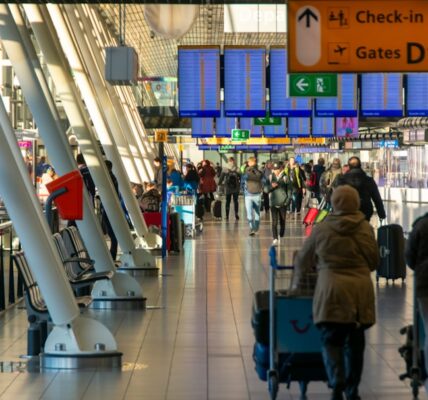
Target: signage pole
(164, 207)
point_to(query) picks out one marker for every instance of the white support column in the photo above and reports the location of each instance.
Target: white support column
(51, 132)
(88, 90)
(72, 336)
(119, 287)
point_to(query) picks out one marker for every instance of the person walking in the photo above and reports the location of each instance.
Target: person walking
(297, 180)
(318, 170)
(279, 190)
(207, 185)
(417, 260)
(232, 181)
(329, 179)
(252, 183)
(344, 250)
(366, 187)
(267, 172)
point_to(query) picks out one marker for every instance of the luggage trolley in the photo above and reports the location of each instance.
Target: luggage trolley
(294, 341)
(185, 204)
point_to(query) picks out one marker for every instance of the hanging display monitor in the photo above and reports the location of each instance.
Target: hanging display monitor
(281, 105)
(202, 127)
(224, 125)
(275, 131)
(244, 81)
(248, 123)
(417, 95)
(345, 104)
(347, 127)
(323, 127)
(381, 95)
(298, 127)
(199, 81)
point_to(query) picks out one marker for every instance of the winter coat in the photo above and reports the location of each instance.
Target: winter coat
(318, 170)
(229, 186)
(176, 178)
(207, 183)
(344, 250)
(191, 181)
(367, 189)
(297, 178)
(280, 195)
(329, 180)
(417, 254)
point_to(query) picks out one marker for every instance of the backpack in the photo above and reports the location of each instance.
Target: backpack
(232, 180)
(150, 202)
(312, 182)
(254, 180)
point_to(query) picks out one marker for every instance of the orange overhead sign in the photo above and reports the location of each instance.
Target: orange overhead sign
(358, 36)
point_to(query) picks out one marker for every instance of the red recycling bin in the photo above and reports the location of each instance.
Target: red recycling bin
(70, 204)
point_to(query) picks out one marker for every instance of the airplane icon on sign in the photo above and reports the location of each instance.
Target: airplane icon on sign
(340, 49)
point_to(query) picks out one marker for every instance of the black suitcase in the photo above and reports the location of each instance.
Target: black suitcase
(175, 233)
(216, 209)
(260, 317)
(390, 239)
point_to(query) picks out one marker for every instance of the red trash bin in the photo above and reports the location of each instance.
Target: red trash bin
(70, 204)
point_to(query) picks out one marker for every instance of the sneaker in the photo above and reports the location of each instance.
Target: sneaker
(275, 242)
(252, 233)
(256, 232)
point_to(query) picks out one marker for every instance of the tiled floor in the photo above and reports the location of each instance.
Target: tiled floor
(197, 342)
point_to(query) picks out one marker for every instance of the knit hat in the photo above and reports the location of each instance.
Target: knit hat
(345, 199)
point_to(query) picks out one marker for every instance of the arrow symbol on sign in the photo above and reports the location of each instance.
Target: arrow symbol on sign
(308, 14)
(302, 84)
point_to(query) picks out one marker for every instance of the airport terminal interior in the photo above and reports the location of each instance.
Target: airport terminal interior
(137, 140)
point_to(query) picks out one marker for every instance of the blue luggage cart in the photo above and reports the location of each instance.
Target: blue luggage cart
(294, 341)
(185, 204)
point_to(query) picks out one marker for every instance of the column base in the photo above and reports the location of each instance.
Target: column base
(106, 360)
(119, 304)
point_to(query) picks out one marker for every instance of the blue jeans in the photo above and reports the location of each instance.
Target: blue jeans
(252, 206)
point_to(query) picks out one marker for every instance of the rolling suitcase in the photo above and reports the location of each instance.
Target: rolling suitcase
(176, 233)
(392, 265)
(311, 216)
(216, 209)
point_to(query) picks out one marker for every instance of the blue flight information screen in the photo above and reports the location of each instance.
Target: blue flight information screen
(202, 127)
(275, 131)
(299, 127)
(417, 95)
(323, 127)
(280, 104)
(381, 95)
(345, 104)
(245, 81)
(199, 81)
(224, 125)
(247, 123)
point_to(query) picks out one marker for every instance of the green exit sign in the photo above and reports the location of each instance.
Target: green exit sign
(312, 85)
(267, 121)
(240, 135)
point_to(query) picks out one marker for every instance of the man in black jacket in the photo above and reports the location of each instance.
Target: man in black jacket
(366, 187)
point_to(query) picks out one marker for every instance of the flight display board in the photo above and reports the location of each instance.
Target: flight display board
(248, 123)
(224, 125)
(199, 81)
(345, 104)
(417, 95)
(323, 127)
(381, 95)
(244, 81)
(275, 131)
(298, 127)
(347, 127)
(202, 127)
(280, 104)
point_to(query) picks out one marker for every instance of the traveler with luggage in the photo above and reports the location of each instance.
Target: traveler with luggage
(151, 199)
(252, 183)
(366, 187)
(297, 180)
(317, 171)
(207, 185)
(417, 260)
(344, 250)
(278, 187)
(231, 180)
(329, 179)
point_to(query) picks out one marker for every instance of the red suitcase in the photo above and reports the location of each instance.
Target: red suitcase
(310, 216)
(155, 218)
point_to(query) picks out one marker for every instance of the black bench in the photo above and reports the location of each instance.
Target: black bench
(79, 270)
(37, 311)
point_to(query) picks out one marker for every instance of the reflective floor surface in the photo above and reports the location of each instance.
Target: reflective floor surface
(196, 342)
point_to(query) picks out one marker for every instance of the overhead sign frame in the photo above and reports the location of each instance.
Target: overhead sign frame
(357, 36)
